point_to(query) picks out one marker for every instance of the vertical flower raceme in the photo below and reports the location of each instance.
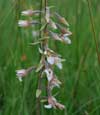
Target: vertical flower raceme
(53, 26)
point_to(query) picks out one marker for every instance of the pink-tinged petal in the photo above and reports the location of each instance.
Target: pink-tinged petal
(21, 73)
(23, 23)
(27, 12)
(54, 36)
(60, 106)
(55, 83)
(52, 101)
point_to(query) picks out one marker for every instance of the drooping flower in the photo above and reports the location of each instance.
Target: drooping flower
(52, 79)
(23, 23)
(63, 37)
(23, 72)
(66, 39)
(30, 12)
(26, 23)
(63, 29)
(55, 60)
(52, 102)
(54, 36)
(52, 57)
(54, 82)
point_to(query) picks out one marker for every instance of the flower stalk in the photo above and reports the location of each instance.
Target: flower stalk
(49, 30)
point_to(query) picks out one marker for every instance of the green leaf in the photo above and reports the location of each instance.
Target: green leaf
(39, 67)
(43, 100)
(43, 27)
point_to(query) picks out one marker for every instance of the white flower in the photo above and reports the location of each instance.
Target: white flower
(59, 65)
(30, 12)
(49, 74)
(52, 79)
(55, 83)
(55, 60)
(23, 23)
(27, 12)
(53, 102)
(66, 39)
(54, 36)
(21, 73)
(26, 23)
(51, 60)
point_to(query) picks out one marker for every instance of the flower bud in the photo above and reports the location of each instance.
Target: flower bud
(61, 19)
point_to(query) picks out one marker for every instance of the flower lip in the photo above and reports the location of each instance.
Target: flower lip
(66, 39)
(49, 106)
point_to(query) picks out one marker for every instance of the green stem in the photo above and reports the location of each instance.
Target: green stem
(38, 103)
(93, 29)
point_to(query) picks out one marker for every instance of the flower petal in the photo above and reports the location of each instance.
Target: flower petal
(51, 60)
(67, 40)
(59, 65)
(49, 106)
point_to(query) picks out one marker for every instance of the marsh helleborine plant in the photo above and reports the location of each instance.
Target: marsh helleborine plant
(50, 30)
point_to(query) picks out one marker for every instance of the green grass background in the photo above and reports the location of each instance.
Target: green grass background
(80, 90)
